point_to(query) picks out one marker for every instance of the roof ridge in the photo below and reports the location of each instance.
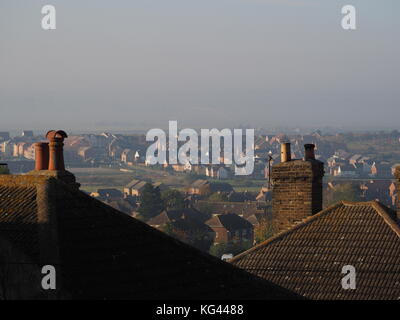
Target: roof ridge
(289, 231)
(379, 208)
(382, 211)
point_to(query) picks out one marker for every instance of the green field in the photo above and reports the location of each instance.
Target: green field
(92, 179)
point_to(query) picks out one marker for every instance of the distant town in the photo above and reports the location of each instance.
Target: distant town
(208, 206)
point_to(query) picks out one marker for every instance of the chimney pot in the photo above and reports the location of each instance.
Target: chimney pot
(286, 154)
(56, 154)
(309, 151)
(41, 156)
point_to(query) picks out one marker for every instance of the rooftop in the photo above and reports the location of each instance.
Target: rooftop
(309, 257)
(101, 253)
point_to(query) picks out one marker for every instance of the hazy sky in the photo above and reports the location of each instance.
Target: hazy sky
(139, 63)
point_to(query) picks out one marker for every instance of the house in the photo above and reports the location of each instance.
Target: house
(187, 224)
(348, 171)
(107, 194)
(264, 194)
(19, 149)
(123, 204)
(128, 156)
(87, 153)
(169, 216)
(242, 209)
(355, 158)
(98, 252)
(199, 187)
(382, 170)
(134, 188)
(6, 148)
(4, 135)
(217, 172)
(29, 152)
(379, 190)
(230, 228)
(312, 255)
(257, 218)
(27, 133)
(182, 167)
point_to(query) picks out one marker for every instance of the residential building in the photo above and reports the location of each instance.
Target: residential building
(134, 188)
(4, 136)
(230, 228)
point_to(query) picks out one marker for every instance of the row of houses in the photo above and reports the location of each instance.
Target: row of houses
(203, 230)
(343, 164)
(25, 150)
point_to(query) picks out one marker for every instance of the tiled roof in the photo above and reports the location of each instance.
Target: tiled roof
(308, 258)
(101, 253)
(244, 209)
(173, 215)
(18, 218)
(132, 183)
(230, 221)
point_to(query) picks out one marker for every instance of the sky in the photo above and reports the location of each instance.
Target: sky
(127, 65)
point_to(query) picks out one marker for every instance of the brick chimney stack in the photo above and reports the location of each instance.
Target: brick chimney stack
(397, 175)
(41, 156)
(56, 153)
(297, 188)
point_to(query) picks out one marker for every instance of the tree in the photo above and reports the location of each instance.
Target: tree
(195, 237)
(263, 231)
(345, 192)
(173, 199)
(4, 170)
(218, 197)
(151, 203)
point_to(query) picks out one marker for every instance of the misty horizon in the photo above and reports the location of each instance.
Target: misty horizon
(134, 65)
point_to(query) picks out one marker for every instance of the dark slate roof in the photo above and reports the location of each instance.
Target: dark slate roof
(308, 258)
(109, 193)
(229, 221)
(101, 253)
(244, 209)
(168, 216)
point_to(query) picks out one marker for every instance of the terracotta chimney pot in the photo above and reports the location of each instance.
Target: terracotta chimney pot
(41, 156)
(56, 153)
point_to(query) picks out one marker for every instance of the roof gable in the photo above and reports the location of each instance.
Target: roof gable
(309, 257)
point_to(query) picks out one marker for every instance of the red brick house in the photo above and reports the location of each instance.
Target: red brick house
(231, 228)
